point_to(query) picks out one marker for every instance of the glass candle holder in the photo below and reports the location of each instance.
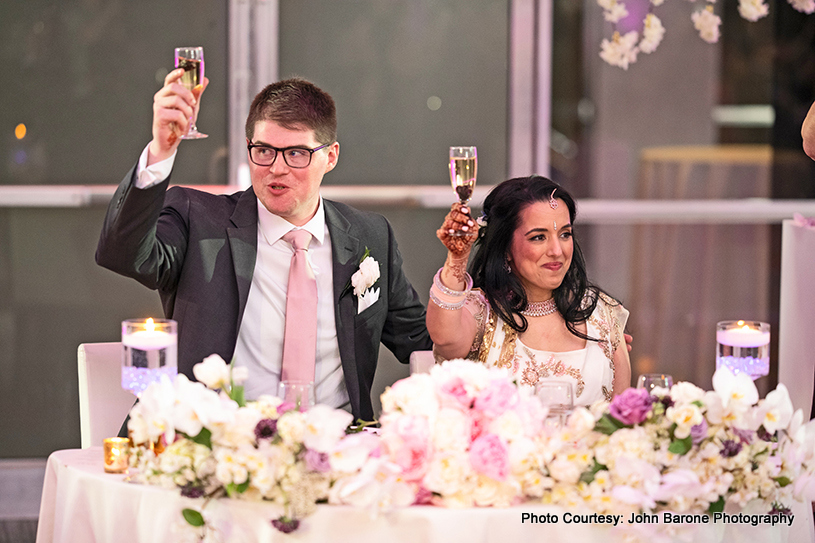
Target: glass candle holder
(743, 347)
(116, 453)
(149, 350)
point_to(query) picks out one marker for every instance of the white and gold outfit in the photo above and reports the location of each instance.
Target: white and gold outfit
(590, 369)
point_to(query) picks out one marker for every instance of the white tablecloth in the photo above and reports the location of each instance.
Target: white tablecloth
(81, 503)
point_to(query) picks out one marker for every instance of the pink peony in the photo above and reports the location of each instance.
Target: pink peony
(632, 406)
(489, 456)
(453, 393)
(410, 446)
(499, 396)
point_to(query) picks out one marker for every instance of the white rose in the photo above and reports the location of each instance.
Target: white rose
(685, 416)
(684, 392)
(452, 430)
(292, 426)
(366, 276)
(565, 471)
(212, 371)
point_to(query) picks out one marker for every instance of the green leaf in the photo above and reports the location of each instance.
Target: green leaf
(204, 438)
(717, 506)
(588, 475)
(681, 446)
(193, 517)
(782, 481)
(232, 489)
(608, 425)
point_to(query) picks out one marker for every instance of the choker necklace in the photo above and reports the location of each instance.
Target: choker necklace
(540, 309)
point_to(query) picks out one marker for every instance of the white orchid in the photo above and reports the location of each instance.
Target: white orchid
(753, 10)
(707, 23)
(325, 426)
(620, 50)
(196, 406)
(804, 6)
(776, 409)
(652, 34)
(738, 392)
(213, 372)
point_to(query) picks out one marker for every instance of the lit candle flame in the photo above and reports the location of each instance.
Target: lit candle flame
(150, 326)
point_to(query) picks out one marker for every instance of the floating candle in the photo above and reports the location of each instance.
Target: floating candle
(743, 334)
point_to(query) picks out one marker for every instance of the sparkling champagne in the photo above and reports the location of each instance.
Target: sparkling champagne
(192, 72)
(462, 177)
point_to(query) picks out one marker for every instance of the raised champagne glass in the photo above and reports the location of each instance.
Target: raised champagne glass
(192, 60)
(463, 169)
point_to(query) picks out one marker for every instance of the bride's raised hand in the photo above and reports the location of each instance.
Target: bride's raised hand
(458, 219)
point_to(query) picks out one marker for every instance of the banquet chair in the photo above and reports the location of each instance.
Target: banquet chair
(421, 361)
(103, 403)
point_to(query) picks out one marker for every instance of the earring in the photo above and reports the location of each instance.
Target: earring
(507, 267)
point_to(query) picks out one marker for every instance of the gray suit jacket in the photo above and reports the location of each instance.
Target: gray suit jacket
(198, 250)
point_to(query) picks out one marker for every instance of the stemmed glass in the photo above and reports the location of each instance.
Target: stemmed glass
(463, 169)
(299, 393)
(192, 60)
(650, 381)
(558, 396)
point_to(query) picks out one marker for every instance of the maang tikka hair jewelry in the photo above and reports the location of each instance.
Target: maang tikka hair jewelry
(552, 201)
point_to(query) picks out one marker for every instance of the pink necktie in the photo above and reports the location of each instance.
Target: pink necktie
(300, 340)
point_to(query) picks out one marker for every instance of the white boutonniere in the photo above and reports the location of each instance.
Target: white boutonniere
(363, 280)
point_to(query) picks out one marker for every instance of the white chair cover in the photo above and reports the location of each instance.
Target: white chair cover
(796, 363)
(421, 361)
(103, 403)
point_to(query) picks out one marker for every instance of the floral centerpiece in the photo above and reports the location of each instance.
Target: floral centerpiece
(214, 444)
(684, 450)
(466, 435)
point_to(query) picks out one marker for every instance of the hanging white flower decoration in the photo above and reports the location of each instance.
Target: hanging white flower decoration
(753, 10)
(804, 6)
(620, 50)
(707, 23)
(652, 34)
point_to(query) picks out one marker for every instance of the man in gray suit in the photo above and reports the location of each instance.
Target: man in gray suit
(220, 263)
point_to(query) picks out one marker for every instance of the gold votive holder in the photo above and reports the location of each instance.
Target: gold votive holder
(116, 453)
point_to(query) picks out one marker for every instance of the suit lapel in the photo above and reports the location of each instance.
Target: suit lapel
(346, 254)
(243, 242)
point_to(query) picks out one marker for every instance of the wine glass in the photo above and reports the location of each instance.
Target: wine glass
(299, 393)
(192, 60)
(463, 169)
(558, 396)
(650, 381)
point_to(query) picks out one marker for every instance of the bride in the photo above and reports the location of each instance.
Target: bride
(532, 309)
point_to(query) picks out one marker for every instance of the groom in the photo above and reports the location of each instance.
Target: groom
(221, 265)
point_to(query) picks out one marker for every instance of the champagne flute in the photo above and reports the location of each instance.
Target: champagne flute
(650, 381)
(192, 60)
(463, 169)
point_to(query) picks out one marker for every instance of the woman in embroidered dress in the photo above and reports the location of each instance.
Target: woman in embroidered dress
(533, 310)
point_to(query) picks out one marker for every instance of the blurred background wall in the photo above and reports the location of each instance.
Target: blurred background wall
(410, 77)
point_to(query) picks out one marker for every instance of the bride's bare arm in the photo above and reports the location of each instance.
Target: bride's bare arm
(622, 368)
(452, 327)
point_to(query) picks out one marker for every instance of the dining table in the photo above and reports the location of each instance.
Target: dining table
(83, 503)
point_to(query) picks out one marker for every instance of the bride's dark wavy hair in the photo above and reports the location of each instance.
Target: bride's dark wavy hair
(503, 289)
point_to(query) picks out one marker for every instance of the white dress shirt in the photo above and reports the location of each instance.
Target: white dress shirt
(260, 338)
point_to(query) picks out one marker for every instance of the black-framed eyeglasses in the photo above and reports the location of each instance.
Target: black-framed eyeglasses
(295, 157)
